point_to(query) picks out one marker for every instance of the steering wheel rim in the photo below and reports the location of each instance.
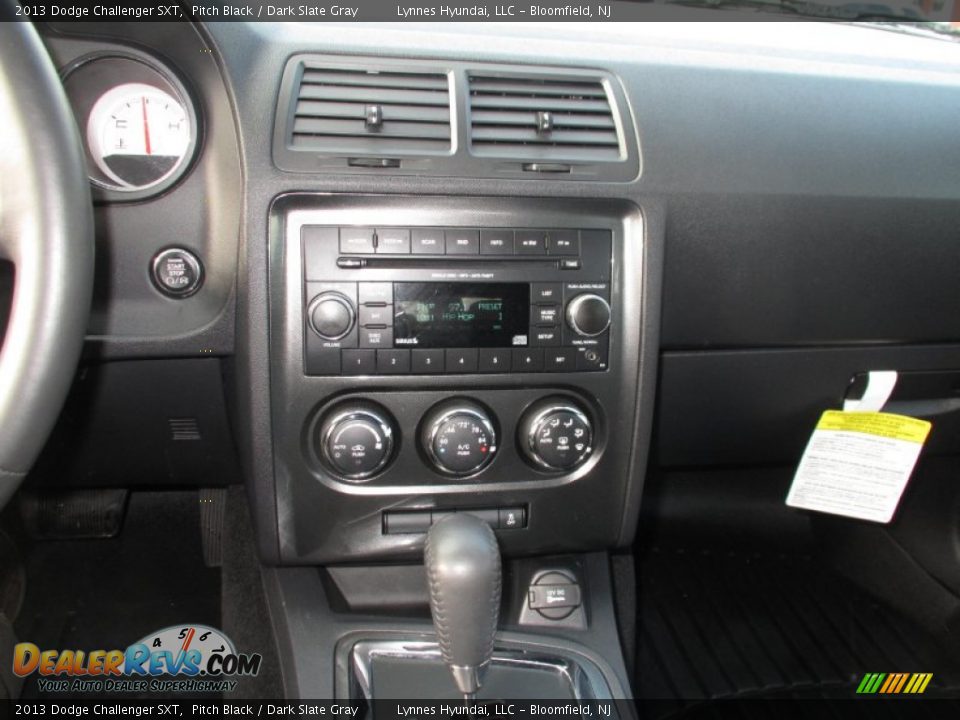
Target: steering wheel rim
(46, 230)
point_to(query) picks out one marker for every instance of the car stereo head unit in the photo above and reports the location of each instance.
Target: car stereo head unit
(455, 300)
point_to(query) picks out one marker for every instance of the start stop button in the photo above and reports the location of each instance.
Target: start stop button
(176, 272)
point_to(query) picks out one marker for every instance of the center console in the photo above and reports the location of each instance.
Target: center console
(440, 355)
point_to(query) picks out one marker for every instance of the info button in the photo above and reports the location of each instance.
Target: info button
(496, 242)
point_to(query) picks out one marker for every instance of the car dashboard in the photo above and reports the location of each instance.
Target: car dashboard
(383, 273)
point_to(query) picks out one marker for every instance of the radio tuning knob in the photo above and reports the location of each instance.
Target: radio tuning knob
(458, 437)
(331, 315)
(555, 434)
(588, 315)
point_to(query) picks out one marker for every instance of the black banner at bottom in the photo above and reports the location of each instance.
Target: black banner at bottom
(777, 709)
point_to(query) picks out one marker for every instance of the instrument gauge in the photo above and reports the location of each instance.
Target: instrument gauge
(138, 135)
(141, 131)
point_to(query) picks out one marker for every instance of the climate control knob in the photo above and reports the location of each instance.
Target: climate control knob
(555, 434)
(588, 315)
(331, 315)
(458, 437)
(356, 441)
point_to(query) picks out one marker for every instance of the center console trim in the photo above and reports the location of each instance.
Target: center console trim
(590, 508)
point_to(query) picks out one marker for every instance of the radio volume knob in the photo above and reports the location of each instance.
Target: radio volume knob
(588, 315)
(331, 315)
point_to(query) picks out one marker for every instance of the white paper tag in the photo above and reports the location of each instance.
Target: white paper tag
(857, 464)
(880, 384)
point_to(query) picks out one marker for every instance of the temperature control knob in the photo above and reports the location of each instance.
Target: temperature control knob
(459, 438)
(555, 434)
(588, 315)
(331, 315)
(356, 441)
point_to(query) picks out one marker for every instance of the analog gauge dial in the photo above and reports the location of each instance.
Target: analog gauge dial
(138, 135)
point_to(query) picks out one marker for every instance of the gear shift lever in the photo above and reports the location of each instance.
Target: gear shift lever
(463, 572)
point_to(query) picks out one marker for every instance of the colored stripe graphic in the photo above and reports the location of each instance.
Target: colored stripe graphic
(894, 683)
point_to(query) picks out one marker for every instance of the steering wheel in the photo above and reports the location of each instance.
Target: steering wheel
(46, 231)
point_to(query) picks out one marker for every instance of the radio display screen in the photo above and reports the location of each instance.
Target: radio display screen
(461, 315)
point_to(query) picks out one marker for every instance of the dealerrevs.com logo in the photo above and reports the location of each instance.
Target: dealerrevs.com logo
(180, 658)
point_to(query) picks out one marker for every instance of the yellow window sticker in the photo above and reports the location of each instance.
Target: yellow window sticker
(857, 464)
(898, 427)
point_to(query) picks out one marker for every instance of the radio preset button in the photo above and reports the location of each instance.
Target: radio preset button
(356, 240)
(494, 360)
(376, 338)
(393, 362)
(462, 360)
(426, 241)
(462, 241)
(527, 359)
(359, 362)
(331, 315)
(531, 242)
(496, 242)
(426, 362)
(376, 315)
(395, 241)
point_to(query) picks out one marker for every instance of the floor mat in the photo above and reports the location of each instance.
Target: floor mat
(109, 593)
(731, 625)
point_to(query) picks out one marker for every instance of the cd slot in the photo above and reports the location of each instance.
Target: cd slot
(406, 263)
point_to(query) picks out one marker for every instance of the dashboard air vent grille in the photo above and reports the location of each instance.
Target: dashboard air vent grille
(370, 112)
(546, 119)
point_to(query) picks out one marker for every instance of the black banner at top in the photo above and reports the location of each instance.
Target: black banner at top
(585, 11)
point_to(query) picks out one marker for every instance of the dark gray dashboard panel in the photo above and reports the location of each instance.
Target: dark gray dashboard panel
(781, 271)
(129, 316)
(323, 520)
(758, 407)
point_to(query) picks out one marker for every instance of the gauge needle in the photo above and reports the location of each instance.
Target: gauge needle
(146, 125)
(193, 631)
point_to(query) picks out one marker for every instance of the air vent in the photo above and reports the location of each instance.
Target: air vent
(547, 119)
(364, 112)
